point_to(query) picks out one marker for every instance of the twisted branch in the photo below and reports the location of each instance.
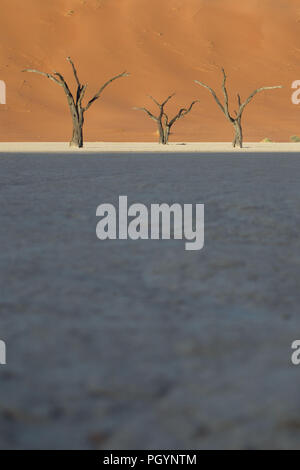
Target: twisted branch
(81, 89)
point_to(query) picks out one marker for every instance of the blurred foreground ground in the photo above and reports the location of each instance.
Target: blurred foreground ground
(123, 344)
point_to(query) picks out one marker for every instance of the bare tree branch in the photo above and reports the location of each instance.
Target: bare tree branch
(74, 71)
(148, 112)
(97, 95)
(65, 87)
(182, 112)
(163, 104)
(213, 94)
(167, 100)
(250, 97)
(226, 107)
(48, 75)
(154, 100)
(81, 95)
(80, 87)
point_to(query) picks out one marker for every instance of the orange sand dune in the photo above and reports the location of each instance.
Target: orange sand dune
(165, 45)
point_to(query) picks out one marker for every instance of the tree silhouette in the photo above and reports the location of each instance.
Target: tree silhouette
(77, 109)
(162, 120)
(237, 120)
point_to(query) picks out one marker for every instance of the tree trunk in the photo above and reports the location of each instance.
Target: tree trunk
(161, 133)
(166, 135)
(77, 135)
(238, 137)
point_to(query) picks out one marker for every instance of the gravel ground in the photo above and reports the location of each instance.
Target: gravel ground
(141, 344)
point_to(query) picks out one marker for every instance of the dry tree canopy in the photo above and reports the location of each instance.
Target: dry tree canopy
(164, 123)
(236, 120)
(75, 101)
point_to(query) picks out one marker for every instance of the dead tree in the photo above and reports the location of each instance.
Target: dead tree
(77, 109)
(237, 120)
(163, 122)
